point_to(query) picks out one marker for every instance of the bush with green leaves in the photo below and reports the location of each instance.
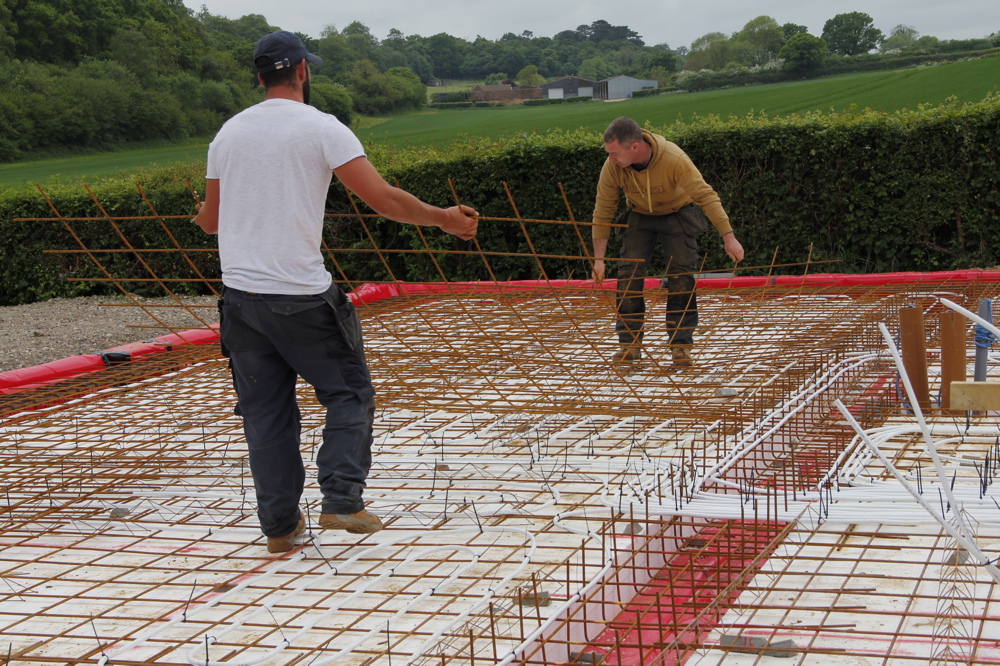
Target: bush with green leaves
(332, 98)
(709, 79)
(802, 53)
(651, 92)
(874, 192)
(375, 92)
(101, 103)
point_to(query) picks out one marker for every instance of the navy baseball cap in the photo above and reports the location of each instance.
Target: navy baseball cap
(282, 49)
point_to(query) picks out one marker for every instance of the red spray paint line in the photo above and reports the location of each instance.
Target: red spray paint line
(687, 598)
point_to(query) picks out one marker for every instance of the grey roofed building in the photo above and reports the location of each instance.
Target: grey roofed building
(622, 87)
(568, 86)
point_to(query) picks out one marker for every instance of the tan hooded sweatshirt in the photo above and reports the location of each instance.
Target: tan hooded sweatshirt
(668, 183)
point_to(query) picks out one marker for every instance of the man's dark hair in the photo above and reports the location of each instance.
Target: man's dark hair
(624, 130)
(279, 77)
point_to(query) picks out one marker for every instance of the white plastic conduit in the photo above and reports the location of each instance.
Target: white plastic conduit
(959, 535)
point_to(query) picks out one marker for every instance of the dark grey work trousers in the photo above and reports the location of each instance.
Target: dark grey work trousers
(678, 234)
(272, 340)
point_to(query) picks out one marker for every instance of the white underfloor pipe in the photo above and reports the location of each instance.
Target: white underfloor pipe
(959, 535)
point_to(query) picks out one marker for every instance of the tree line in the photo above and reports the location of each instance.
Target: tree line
(95, 73)
(763, 42)
(85, 74)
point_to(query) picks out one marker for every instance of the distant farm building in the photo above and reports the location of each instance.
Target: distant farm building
(503, 93)
(622, 87)
(568, 86)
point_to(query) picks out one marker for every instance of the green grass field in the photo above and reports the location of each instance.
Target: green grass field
(99, 165)
(886, 91)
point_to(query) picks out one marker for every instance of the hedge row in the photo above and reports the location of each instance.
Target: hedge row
(464, 105)
(449, 97)
(708, 79)
(874, 62)
(652, 92)
(916, 190)
(560, 100)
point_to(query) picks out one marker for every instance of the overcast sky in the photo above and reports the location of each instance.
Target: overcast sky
(674, 22)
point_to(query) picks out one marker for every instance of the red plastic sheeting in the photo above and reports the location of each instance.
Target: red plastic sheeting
(74, 366)
(23, 379)
(372, 293)
(853, 280)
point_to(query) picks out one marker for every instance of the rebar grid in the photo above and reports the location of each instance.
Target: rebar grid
(540, 504)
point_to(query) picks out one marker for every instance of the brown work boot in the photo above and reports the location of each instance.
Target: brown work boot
(286, 543)
(627, 354)
(361, 522)
(682, 357)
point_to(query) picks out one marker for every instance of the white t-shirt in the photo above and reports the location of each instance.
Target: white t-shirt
(274, 162)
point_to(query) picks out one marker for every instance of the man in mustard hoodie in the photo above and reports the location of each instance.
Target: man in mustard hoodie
(661, 186)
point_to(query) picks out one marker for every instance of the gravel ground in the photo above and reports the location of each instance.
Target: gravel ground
(41, 332)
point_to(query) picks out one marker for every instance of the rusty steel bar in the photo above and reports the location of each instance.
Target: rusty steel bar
(513, 467)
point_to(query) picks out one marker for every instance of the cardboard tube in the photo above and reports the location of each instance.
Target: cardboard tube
(953, 363)
(914, 352)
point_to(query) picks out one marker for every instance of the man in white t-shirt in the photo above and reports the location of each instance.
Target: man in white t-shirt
(269, 170)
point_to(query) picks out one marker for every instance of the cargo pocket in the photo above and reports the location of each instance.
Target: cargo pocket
(358, 379)
(692, 220)
(349, 352)
(234, 332)
(349, 324)
(303, 321)
(348, 348)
